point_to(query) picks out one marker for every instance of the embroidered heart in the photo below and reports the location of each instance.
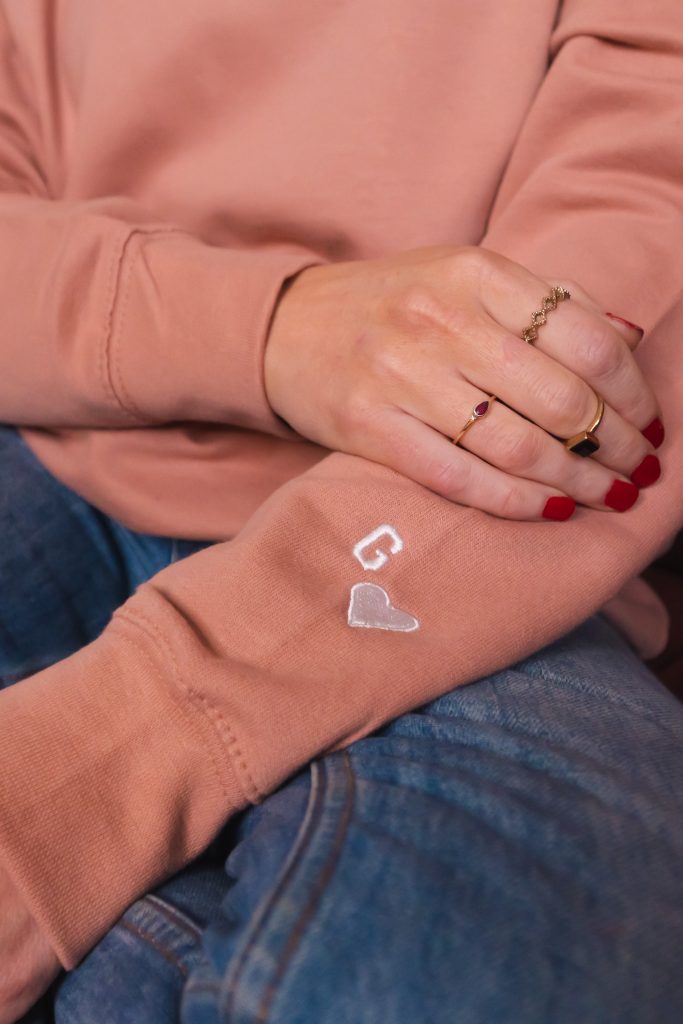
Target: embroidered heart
(370, 606)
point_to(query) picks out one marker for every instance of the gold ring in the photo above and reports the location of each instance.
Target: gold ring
(557, 294)
(586, 442)
(480, 409)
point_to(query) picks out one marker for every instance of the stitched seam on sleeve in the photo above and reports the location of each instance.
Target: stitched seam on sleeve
(113, 290)
(219, 725)
(145, 654)
(119, 291)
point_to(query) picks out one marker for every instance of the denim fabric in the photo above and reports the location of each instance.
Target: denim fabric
(510, 853)
(64, 566)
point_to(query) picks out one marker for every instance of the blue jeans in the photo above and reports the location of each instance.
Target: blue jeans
(511, 852)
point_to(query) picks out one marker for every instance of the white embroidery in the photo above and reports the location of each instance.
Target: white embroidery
(381, 557)
(371, 606)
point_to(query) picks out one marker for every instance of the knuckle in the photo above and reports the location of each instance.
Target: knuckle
(470, 256)
(413, 301)
(447, 477)
(423, 310)
(567, 403)
(519, 450)
(571, 284)
(473, 264)
(510, 501)
(601, 355)
(388, 362)
(350, 413)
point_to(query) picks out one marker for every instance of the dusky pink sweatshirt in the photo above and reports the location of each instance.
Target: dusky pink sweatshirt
(164, 168)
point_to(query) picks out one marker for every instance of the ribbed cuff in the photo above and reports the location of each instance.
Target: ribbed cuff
(113, 778)
(189, 329)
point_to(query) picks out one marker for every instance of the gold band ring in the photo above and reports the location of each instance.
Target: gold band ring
(480, 409)
(557, 294)
(586, 442)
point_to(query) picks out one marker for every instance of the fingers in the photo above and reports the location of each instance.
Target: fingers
(548, 394)
(578, 335)
(522, 449)
(596, 351)
(553, 381)
(629, 332)
(506, 279)
(422, 454)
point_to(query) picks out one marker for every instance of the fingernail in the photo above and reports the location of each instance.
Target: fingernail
(559, 508)
(647, 472)
(621, 495)
(627, 323)
(654, 432)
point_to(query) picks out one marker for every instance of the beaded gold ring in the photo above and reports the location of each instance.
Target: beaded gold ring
(550, 302)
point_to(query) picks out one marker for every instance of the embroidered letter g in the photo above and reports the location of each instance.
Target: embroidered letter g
(380, 557)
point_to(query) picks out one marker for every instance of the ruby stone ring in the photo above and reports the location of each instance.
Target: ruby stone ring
(477, 413)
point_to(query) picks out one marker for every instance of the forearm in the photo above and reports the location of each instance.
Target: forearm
(231, 669)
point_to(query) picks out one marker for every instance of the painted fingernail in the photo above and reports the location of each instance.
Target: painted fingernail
(559, 508)
(627, 323)
(621, 495)
(654, 432)
(647, 472)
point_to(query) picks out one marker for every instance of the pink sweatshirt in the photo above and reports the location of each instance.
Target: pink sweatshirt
(164, 167)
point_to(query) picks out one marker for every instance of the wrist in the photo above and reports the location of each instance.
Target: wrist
(279, 341)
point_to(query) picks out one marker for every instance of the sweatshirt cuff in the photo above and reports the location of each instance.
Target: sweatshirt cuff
(189, 327)
(86, 782)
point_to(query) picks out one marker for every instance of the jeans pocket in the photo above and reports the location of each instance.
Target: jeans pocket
(136, 972)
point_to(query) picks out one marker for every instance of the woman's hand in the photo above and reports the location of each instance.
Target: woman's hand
(386, 358)
(28, 964)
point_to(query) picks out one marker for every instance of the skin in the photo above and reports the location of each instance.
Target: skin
(386, 358)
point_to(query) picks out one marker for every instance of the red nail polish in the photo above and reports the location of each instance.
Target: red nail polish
(621, 495)
(559, 508)
(647, 472)
(654, 432)
(627, 323)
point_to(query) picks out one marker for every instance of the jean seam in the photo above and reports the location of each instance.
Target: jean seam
(306, 911)
(152, 941)
(173, 916)
(228, 982)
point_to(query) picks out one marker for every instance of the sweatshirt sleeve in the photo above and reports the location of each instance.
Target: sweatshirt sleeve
(594, 187)
(113, 317)
(229, 670)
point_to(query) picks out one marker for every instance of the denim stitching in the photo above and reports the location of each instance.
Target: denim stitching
(227, 1009)
(314, 898)
(154, 942)
(173, 915)
(259, 918)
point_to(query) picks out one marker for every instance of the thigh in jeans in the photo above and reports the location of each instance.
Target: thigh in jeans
(509, 853)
